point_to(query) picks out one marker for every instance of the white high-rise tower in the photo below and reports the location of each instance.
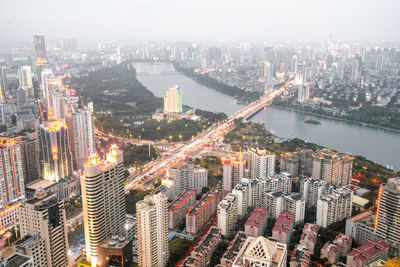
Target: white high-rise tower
(152, 231)
(103, 200)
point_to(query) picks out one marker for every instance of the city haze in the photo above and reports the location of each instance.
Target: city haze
(288, 20)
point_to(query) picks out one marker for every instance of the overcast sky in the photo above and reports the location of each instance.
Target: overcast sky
(250, 20)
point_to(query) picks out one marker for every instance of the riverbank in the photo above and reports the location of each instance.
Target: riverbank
(242, 96)
(336, 118)
(369, 173)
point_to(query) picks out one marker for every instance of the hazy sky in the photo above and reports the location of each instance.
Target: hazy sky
(201, 19)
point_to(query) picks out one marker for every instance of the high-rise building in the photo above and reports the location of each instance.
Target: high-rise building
(261, 163)
(312, 190)
(31, 157)
(11, 180)
(334, 207)
(243, 193)
(185, 175)
(227, 214)
(3, 83)
(103, 200)
(297, 163)
(45, 216)
(152, 231)
(22, 96)
(69, 44)
(173, 100)
(303, 92)
(40, 49)
(82, 134)
(266, 74)
(25, 77)
(387, 224)
(296, 204)
(54, 151)
(332, 167)
(233, 170)
(299, 80)
(294, 63)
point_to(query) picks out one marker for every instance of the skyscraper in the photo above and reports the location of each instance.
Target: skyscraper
(11, 180)
(266, 73)
(233, 171)
(22, 96)
(300, 73)
(103, 200)
(152, 231)
(40, 50)
(387, 223)
(82, 134)
(45, 215)
(333, 168)
(173, 99)
(31, 157)
(3, 83)
(69, 45)
(25, 77)
(303, 92)
(261, 163)
(54, 151)
(334, 206)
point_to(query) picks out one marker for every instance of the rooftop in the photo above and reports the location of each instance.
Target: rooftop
(368, 250)
(16, 260)
(235, 245)
(257, 217)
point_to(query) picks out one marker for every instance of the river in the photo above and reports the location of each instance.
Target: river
(379, 145)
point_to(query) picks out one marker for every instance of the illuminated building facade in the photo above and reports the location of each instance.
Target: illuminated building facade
(103, 200)
(54, 151)
(44, 215)
(82, 134)
(233, 171)
(152, 231)
(173, 100)
(40, 49)
(332, 167)
(12, 190)
(261, 163)
(387, 222)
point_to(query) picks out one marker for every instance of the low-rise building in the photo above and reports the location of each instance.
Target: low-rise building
(283, 227)
(368, 253)
(257, 222)
(308, 237)
(261, 252)
(361, 227)
(178, 208)
(339, 247)
(300, 257)
(115, 251)
(201, 254)
(202, 210)
(233, 249)
(331, 252)
(32, 246)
